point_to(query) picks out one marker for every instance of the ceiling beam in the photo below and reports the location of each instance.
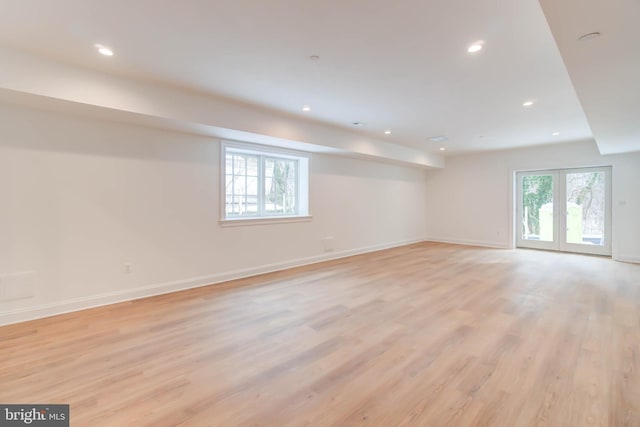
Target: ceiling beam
(42, 83)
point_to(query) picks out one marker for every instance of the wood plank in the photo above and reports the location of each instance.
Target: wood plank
(426, 334)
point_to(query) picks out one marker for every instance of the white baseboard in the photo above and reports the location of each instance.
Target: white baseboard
(634, 260)
(484, 244)
(76, 304)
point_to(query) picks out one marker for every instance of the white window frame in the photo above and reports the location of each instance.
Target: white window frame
(266, 152)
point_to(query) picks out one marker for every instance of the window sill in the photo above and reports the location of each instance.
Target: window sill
(263, 221)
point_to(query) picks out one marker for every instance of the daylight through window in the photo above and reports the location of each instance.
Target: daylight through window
(264, 184)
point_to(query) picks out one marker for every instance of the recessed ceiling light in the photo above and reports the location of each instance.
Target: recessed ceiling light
(104, 50)
(387, 132)
(555, 133)
(357, 123)
(306, 108)
(314, 58)
(439, 138)
(442, 148)
(527, 104)
(475, 46)
(589, 36)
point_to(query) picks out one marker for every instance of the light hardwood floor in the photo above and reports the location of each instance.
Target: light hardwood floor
(424, 335)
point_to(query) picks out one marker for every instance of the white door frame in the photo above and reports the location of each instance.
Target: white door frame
(559, 243)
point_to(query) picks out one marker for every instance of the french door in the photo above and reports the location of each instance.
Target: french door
(565, 210)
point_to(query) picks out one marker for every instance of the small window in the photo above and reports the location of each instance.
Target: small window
(260, 182)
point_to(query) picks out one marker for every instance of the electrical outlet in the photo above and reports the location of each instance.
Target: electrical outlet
(18, 286)
(127, 268)
(328, 243)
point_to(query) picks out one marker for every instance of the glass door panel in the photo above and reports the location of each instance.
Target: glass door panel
(586, 208)
(537, 219)
(537, 207)
(587, 216)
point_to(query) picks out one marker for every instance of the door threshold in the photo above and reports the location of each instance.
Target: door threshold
(565, 252)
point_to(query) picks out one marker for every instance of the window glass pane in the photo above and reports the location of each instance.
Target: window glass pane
(252, 205)
(280, 186)
(239, 163)
(229, 205)
(241, 181)
(252, 166)
(238, 205)
(269, 165)
(252, 186)
(239, 184)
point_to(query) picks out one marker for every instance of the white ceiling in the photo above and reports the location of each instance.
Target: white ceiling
(605, 70)
(399, 65)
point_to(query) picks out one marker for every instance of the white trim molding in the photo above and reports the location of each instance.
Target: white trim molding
(633, 260)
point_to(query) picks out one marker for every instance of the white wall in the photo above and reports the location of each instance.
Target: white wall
(471, 199)
(81, 197)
